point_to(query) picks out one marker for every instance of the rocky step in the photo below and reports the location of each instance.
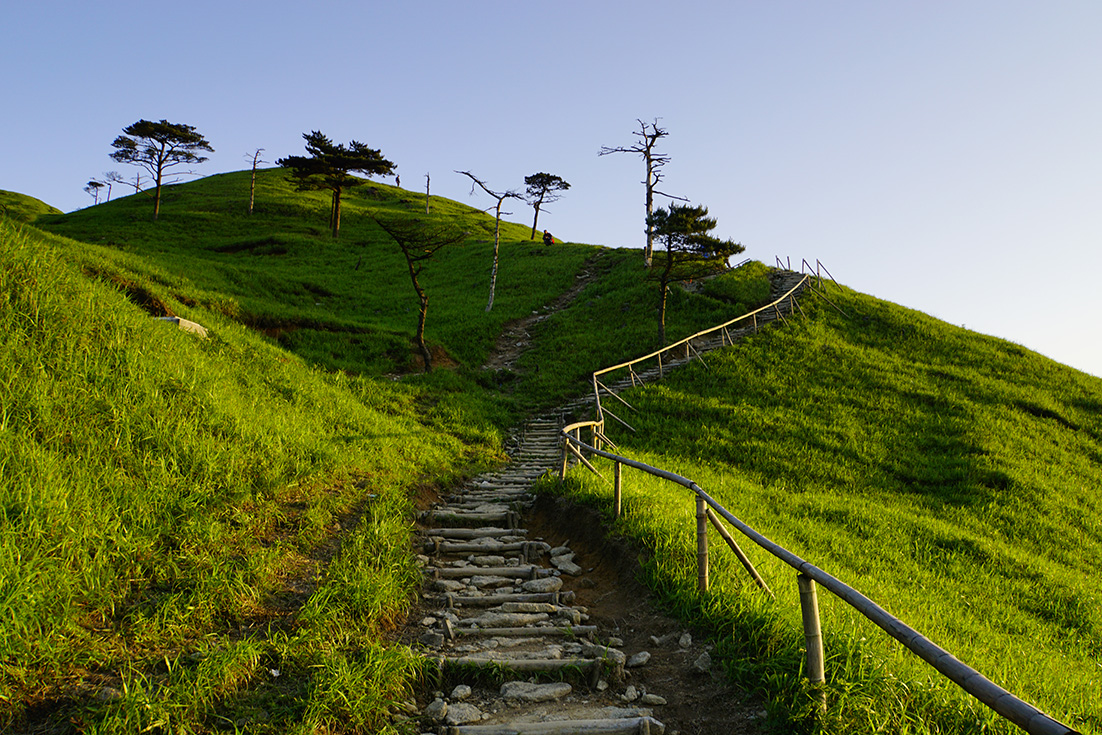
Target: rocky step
(528, 571)
(623, 726)
(502, 534)
(454, 600)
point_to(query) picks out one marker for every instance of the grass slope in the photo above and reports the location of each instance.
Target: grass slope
(170, 509)
(952, 477)
(22, 208)
(182, 517)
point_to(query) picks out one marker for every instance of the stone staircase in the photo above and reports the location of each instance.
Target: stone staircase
(514, 653)
(499, 609)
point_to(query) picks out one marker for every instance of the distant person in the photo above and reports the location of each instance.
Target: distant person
(547, 239)
(398, 181)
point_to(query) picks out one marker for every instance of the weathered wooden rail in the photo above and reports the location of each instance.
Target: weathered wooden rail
(808, 576)
(685, 349)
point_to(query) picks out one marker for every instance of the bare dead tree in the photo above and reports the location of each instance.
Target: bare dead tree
(255, 156)
(116, 177)
(500, 197)
(418, 242)
(648, 136)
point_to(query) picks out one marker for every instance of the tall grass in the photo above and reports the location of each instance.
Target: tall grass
(949, 476)
(168, 505)
(342, 304)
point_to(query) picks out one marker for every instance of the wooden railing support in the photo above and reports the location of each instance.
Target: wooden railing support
(701, 545)
(813, 635)
(733, 545)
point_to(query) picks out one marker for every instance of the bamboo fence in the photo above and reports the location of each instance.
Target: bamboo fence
(808, 576)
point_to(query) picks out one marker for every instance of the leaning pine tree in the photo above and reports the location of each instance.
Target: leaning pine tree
(691, 251)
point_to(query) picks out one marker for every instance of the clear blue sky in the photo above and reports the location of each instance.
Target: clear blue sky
(941, 155)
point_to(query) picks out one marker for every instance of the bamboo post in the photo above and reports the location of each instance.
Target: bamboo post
(701, 545)
(746, 563)
(565, 459)
(617, 488)
(813, 635)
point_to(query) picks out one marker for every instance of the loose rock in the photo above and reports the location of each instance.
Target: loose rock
(638, 659)
(523, 691)
(547, 584)
(462, 714)
(437, 710)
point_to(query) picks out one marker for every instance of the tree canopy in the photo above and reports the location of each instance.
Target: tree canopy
(329, 167)
(691, 249)
(542, 188)
(157, 146)
(419, 242)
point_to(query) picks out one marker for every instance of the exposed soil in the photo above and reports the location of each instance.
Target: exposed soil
(514, 338)
(698, 704)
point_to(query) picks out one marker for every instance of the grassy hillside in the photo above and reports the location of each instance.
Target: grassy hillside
(342, 304)
(22, 208)
(952, 477)
(181, 517)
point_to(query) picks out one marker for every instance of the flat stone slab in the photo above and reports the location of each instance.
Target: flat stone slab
(523, 691)
(547, 584)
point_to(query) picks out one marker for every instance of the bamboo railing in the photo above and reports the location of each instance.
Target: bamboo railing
(808, 576)
(687, 348)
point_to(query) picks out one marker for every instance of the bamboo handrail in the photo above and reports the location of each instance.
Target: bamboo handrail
(630, 364)
(1016, 710)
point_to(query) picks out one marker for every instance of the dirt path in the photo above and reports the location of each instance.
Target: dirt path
(514, 337)
(538, 623)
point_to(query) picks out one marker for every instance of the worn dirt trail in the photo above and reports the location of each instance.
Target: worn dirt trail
(536, 620)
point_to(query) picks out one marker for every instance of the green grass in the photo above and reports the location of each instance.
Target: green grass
(22, 208)
(180, 517)
(949, 476)
(343, 304)
(169, 505)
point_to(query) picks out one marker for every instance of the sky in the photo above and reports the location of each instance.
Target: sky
(941, 155)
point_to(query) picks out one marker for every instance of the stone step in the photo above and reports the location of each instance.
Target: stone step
(573, 631)
(529, 571)
(451, 600)
(472, 533)
(621, 726)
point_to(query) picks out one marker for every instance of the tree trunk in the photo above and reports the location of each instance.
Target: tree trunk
(425, 354)
(335, 215)
(539, 202)
(665, 287)
(648, 254)
(493, 271)
(252, 186)
(157, 199)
